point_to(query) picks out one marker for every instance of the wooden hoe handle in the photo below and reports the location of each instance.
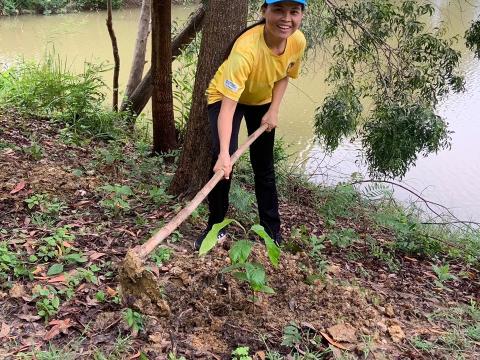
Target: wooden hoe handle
(164, 232)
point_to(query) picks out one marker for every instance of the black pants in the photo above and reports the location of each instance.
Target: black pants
(261, 158)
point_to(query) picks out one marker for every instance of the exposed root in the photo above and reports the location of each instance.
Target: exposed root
(140, 288)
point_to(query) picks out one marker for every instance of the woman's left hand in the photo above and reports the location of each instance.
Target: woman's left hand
(271, 119)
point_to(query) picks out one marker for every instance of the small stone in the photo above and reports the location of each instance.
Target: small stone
(389, 310)
(396, 333)
(382, 326)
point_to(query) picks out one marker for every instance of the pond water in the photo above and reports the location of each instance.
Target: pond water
(449, 177)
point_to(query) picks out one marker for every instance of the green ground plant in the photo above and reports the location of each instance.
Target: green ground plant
(161, 255)
(443, 274)
(59, 246)
(45, 209)
(49, 89)
(116, 199)
(34, 151)
(241, 353)
(47, 301)
(134, 320)
(10, 264)
(342, 238)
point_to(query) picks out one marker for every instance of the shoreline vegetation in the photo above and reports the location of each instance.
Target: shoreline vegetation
(359, 275)
(53, 7)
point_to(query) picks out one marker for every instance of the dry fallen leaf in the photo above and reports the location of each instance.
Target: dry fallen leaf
(343, 333)
(260, 355)
(396, 333)
(111, 292)
(28, 317)
(332, 342)
(57, 279)
(96, 255)
(19, 187)
(4, 331)
(58, 327)
(17, 291)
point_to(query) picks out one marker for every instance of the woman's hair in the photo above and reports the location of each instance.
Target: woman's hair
(230, 46)
(261, 22)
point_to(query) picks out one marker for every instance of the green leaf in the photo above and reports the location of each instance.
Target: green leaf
(240, 276)
(56, 302)
(211, 239)
(273, 250)
(55, 269)
(233, 267)
(240, 251)
(255, 274)
(265, 289)
(75, 257)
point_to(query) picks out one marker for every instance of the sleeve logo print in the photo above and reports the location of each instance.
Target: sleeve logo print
(231, 85)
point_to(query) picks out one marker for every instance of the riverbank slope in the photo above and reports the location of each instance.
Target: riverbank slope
(72, 206)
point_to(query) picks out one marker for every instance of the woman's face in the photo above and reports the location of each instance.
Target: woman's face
(282, 19)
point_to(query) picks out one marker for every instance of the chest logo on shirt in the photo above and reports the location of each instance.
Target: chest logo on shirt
(231, 85)
(290, 66)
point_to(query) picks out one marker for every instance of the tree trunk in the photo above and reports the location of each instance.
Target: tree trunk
(138, 64)
(223, 21)
(164, 139)
(143, 92)
(116, 57)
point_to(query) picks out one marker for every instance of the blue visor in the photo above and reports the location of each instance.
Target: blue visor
(303, 2)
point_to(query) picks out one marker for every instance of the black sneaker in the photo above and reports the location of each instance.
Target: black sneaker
(222, 234)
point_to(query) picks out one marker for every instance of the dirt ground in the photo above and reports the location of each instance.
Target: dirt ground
(358, 308)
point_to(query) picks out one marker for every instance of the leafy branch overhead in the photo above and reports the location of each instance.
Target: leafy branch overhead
(388, 73)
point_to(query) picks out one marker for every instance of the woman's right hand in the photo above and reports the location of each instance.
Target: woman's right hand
(223, 163)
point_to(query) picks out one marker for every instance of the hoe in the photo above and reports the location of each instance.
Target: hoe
(140, 286)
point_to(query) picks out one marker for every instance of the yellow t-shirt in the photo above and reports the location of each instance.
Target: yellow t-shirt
(251, 70)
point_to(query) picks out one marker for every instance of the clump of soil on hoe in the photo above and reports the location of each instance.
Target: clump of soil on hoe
(357, 309)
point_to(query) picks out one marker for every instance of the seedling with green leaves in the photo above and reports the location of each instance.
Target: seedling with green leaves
(34, 151)
(161, 255)
(48, 302)
(159, 196)
(134, 320)
(241, 353)
(58, 246)
(443, 274)
(243, 270)
(46, 209)
(116, 198)
(9, 263)
(342, 238)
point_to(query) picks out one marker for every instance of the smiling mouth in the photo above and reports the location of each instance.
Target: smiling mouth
(284, 28)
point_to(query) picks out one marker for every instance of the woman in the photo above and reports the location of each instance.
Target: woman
(251, 83)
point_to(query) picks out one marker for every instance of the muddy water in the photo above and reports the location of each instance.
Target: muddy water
(448, 177)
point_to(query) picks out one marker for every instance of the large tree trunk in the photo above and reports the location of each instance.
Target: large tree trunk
(143, 92)
(116, 57)
(223, 21)
(138, 64)
(164, 139)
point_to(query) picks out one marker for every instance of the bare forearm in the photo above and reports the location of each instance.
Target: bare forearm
(278, 92)
(225, 120)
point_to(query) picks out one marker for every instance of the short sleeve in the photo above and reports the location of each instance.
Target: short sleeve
(294, 68)
(236, 71)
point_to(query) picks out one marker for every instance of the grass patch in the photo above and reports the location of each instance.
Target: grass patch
(49, 89)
